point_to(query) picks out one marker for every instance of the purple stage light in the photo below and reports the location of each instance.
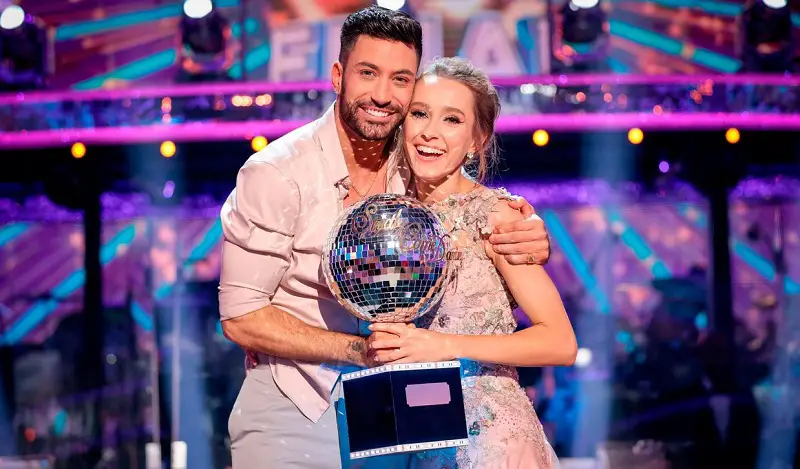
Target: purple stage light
(272, 109)
(222, 131)
(169, 189)
(173, 91)
(663, 166)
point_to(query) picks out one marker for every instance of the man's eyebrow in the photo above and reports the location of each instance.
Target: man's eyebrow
(371, 65)
(404, 71)
(368, 65)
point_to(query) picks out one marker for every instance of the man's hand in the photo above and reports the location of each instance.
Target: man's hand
(524, 241)
(358, 352)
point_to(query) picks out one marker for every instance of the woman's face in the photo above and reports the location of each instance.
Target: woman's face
(438, 131)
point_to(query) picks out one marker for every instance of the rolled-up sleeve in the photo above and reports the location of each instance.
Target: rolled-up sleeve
(258, 222)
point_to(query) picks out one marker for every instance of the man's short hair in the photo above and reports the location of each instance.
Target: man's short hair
(380, 23)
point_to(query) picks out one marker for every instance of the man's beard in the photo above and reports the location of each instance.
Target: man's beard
(367, 130)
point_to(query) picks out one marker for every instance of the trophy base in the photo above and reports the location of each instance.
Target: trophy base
(404, 408)
(431, 445)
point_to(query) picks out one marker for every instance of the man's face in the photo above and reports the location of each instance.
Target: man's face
(375, 86)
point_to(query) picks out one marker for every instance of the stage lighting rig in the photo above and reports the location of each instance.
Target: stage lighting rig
(206, 50)
(583, 21)
(583, 42)
(765, 37)
(24, 51)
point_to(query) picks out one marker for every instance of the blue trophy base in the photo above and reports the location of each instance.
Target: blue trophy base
(404, 408)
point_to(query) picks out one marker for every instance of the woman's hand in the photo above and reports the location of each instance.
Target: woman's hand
(407, 344)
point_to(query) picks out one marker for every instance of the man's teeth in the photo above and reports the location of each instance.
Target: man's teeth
(376, 113)
(429, 150)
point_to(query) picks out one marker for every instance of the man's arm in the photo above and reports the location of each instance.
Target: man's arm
(258, 222)
(273, 331)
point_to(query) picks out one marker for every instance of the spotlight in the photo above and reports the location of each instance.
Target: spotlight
(766, 38)
(391, 4)
(258, 143)
(585, 3)
(541, 138)
(583, 357)
(197, 9)
(206, 52)
(23, 51)
(635, 136)
(775, 3)
(733, 136)
(584, 36)
(169, 189)
(583, 21)
(663, 167)
(167, 149)
(78, 150)
(12, 17)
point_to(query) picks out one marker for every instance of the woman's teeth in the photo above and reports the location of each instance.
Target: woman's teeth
(429, 152)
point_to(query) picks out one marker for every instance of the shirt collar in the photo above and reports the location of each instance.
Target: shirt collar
(398, 172)
(332, 147)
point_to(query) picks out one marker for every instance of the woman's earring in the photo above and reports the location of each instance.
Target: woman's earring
(470, 155)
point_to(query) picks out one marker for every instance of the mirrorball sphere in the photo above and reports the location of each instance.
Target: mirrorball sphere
(385, 259)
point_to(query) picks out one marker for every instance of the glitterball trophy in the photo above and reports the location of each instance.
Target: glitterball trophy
(385, 260)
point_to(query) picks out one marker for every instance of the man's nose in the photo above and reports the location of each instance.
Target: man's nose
(382, 94)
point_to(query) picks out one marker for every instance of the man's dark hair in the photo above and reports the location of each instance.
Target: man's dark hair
(380, 23)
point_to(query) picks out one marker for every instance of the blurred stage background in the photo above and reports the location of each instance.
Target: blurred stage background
(658, 139)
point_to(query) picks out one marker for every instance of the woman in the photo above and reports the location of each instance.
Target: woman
(450, 124)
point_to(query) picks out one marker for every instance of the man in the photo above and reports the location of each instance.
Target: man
(273, 297)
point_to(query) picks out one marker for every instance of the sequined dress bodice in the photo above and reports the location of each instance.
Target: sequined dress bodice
(477, 301)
